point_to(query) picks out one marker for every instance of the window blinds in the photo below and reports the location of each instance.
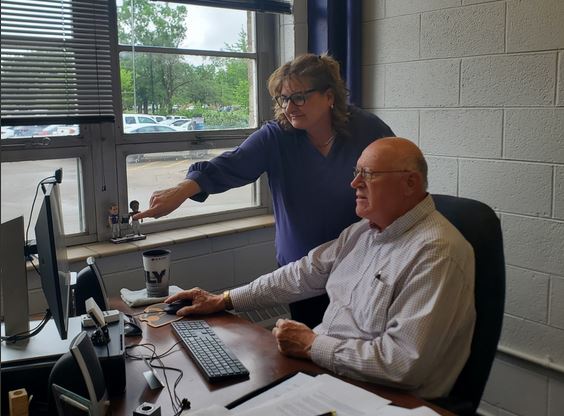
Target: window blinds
(55, 65)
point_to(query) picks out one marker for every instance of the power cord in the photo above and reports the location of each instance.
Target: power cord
(28, 334)
(178, 404)
(41, 182)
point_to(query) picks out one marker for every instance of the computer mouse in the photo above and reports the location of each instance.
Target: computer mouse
(131, 330)
(173, 307)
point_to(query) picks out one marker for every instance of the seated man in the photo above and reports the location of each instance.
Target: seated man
(400, 283)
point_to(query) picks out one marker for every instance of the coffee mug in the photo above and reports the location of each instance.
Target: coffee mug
(157, 272)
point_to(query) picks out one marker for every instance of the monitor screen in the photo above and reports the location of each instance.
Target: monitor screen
(52, 253)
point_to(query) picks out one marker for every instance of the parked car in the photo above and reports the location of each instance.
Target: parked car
(16, 132)
(58, 130)
(184, 125)
(26, 131)
(199, 123)
(137, 119)
(149, 128)
(159, 119)
(7, 132)
(172, 119)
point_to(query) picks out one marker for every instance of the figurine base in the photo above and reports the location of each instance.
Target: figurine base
(127, 238)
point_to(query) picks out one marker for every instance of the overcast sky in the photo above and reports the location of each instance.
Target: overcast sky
(210, 28)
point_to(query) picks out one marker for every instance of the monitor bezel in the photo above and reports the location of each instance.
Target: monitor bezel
(52, 257)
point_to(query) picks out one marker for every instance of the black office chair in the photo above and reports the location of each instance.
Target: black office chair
(479, 224)
(77, 381)
(309, 311)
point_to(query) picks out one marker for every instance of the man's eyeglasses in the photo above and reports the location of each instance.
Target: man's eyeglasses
(297, 98)
(367, 174)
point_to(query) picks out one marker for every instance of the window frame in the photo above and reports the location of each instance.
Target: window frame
(103, 147)
(65, 152)
(167, 224)
(265, 56)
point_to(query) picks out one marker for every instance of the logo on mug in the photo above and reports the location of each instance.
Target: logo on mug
(155, 277)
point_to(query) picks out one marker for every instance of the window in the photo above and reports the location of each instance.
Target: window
(182, 82)
(21, 178)
(56, 85)
(180, 65)
(143, 166)
(174, 62)
(190, 73)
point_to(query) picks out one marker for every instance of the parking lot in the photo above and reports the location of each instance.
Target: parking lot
(19, 181)
(145, 177)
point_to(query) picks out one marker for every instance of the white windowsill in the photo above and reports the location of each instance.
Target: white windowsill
(171, 237)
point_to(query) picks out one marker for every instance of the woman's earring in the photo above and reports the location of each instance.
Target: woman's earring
(332, 106)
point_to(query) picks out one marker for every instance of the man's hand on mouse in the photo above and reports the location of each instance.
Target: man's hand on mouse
(203, 302)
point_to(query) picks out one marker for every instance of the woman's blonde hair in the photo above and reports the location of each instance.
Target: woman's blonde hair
(321, 72)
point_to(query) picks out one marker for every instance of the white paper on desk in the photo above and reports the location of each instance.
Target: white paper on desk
(213, 410)
(322, 394)
(392, 411)
(294, 382)
(400, 411)
(423, 411)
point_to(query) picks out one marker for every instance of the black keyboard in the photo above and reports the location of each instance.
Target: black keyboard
(210, 354)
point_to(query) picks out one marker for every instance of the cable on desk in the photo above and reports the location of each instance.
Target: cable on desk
(176, 400)
(178, 405)
(28, 334)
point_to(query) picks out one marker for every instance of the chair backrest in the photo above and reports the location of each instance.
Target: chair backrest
(90, 284)
(77, 381)
(481, 227)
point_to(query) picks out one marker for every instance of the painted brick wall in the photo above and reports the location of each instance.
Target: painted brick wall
(479, 85)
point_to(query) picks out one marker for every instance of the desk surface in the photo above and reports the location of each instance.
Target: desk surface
(253, 345)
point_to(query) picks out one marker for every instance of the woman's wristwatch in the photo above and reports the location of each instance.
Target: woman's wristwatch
(227, 301)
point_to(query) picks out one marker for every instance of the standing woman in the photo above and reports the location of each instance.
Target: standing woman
(308, 152)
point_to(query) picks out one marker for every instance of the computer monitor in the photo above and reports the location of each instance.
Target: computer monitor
(52, 253)
(13, 277)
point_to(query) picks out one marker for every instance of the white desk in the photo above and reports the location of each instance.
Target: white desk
(45, 346)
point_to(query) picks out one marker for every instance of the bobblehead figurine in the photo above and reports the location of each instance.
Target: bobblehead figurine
(135, 224)
(122, 230)
(113, 220)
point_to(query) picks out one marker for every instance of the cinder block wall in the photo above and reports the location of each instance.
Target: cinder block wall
(479, 85)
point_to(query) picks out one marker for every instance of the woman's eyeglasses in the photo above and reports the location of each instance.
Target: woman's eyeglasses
(297, 98)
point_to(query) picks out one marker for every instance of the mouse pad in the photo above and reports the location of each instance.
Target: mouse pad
(155, 315)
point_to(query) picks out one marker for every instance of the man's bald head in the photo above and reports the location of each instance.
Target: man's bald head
(402, 153)
(392, 180)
